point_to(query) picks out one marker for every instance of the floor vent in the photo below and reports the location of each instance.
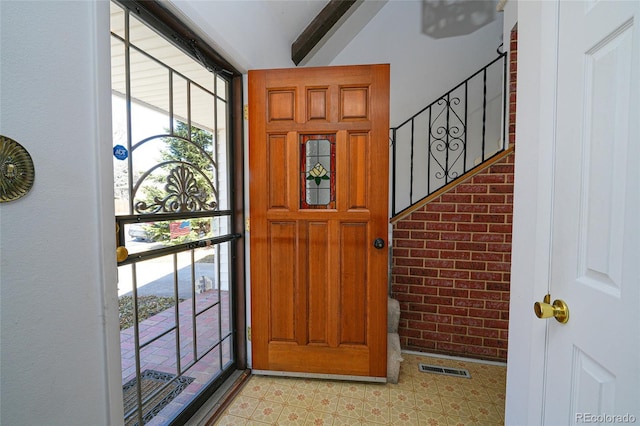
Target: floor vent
(456, 372)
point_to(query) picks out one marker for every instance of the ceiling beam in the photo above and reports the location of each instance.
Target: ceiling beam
(318, 28)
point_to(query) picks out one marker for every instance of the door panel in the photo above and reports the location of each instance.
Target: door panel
(282, 238)
(593, 367)
(358, 158)
(319, 274)
(318, 159)
(353, 280)
(279, 169)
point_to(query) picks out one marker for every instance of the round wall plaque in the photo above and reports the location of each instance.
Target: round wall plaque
(16, 170)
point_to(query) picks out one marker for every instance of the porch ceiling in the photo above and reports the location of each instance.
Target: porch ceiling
(312, 30)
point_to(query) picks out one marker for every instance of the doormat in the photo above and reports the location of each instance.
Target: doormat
(156, 394)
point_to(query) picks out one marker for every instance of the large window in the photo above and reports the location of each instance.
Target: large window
(174, 161)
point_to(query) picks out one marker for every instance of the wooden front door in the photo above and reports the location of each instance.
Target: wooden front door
(318, 161)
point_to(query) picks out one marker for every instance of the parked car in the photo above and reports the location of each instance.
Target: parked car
(159, 231)
(140, 232)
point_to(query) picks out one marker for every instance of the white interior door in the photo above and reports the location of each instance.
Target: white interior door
(592, 362)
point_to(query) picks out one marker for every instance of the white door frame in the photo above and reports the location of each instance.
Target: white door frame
(533, 191)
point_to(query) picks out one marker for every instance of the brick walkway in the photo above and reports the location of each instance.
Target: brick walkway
(161, 354)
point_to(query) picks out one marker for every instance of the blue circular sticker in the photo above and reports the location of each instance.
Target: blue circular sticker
(120, 152)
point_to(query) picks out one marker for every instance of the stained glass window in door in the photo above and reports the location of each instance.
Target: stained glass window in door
(318, 180)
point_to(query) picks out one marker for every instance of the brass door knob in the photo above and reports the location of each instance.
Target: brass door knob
(558, 310)
(121, 253)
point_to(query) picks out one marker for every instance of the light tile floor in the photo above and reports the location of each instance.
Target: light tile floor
(418, 399)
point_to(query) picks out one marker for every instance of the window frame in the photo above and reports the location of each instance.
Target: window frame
(168, 25)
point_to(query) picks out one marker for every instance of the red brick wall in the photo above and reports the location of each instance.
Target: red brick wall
(452, 261)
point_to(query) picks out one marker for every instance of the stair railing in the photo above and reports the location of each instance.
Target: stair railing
(449, 137)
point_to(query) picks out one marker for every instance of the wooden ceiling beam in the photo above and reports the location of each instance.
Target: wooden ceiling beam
(318, 28)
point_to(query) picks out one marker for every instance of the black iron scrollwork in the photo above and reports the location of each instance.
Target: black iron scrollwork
(447, 138)
(183, 195)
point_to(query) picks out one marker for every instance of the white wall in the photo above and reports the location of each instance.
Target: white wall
(422, 68)
(59, 357)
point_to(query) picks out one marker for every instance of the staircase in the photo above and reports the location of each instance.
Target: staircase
(452, 203)
(449, 137)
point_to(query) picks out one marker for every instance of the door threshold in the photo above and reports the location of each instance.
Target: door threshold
(298, 374)
(215, 406)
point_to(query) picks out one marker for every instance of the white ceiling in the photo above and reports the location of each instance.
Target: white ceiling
(262, 31)
(293, 16)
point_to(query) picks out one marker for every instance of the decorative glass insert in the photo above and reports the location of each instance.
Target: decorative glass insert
(318, 172)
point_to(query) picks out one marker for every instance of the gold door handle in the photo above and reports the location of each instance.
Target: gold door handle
(558, 310)
(121, 252)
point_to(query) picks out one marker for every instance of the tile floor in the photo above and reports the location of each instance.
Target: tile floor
(418, 399)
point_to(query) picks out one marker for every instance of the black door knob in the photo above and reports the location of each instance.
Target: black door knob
(378, 243)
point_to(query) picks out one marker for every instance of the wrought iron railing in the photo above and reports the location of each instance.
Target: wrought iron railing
(449, 137)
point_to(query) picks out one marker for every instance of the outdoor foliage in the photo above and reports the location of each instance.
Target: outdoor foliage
(187, 145)
(148, 306)
(179, 149)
